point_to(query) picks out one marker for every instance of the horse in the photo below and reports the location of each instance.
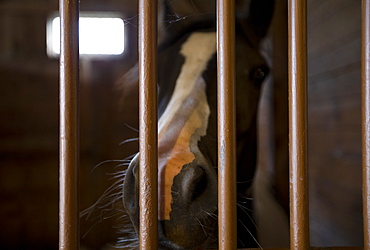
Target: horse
(187, 125)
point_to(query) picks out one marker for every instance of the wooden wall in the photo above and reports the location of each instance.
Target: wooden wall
(29, 126)
(334, 121)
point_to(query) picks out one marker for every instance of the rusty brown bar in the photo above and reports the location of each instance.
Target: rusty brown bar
(226, 122)
(69, 132)
(299, 228)
(366, 119)
(148, 199)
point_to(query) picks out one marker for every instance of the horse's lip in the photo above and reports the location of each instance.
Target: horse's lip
(169, 245)
(166, 247)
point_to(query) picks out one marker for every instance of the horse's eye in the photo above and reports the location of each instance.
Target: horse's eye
(258, 74)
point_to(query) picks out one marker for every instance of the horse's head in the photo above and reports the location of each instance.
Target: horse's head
(187, 136)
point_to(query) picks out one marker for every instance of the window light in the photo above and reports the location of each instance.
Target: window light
(99, 34)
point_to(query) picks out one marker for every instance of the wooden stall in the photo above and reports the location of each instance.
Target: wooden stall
(29, 125)
(29, 85)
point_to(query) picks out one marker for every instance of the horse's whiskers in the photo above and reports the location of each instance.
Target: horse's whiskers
(129, 140)
(123, 162)
(120, 174)
(132, 128)
(212, 215)
(251, 234)
(202, 226)
(247, 181)
(245, 210)
(242, 196)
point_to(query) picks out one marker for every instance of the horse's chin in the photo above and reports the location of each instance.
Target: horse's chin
(167, 245)
(183, 236)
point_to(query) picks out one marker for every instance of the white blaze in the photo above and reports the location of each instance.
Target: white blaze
(186, 116)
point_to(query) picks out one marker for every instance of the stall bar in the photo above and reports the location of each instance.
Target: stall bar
(297, 75)
(366, 119)
(148, 193)
(69, 132)
(226, 124)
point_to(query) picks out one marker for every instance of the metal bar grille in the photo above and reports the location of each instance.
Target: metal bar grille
(69, 134)
(366, 118)
(297, 65)
(148, 124)
(69, 226)
(226, 124)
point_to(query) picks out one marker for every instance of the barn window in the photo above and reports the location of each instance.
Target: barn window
(100, 34)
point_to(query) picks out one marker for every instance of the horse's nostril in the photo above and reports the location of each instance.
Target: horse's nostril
(133, 205)
(199, 186)
(135, 170)
(131, 190)
(194, 183)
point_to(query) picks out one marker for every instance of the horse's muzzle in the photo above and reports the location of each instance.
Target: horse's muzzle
(193, 214)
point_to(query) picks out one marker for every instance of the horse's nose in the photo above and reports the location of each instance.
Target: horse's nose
(194, 206)
(191, 184)
(194, 192)
(192, 209)
(131, 191)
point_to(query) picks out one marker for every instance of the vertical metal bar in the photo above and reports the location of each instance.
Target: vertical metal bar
(366, 119)
(69, 132)
(299, 229)
(226, 122)
(148, 199)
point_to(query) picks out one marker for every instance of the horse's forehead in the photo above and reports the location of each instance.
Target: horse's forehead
(191, 7)
(185, 118)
